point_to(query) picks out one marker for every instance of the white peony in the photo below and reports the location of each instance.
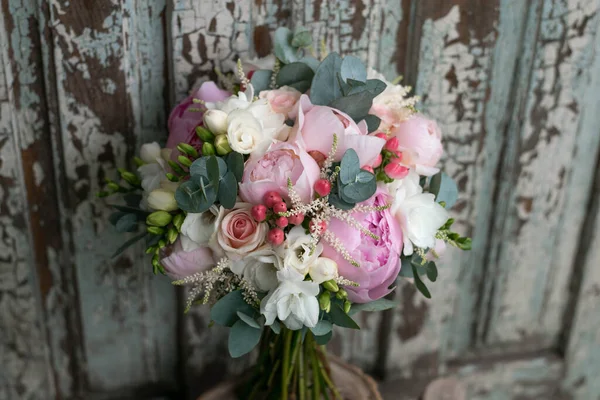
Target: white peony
(259, 268)
(323, 269)
(296, 250)
(294, 301)
(419, 215)
(199, 228)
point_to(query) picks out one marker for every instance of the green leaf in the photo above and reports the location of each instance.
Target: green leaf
(129, 243)
(374, 87)
(261, 80)
(364, 176)
(340, 318)
(242, 339)
(198, 167)
(377, 305)
(324, 339)
(214, 175)
(127, 223)
(297, 75)
(349, 167)
(115, 217)
(132, 199)
(235, 164)
(444, 188)
(312, 62)
(353, 68)
(337, 202)
(419, 283)
(358, 192)
(323, 327)
(191, 198)
(276, 327)
(283, 48)
(228, 190)
(325, 86)
(302, 38)
(224, 312)
(405, 268)
(142, 214)
(372, 121)
(432, 272)
(248, 320)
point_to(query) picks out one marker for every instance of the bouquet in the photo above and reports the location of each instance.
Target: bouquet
(288, 199)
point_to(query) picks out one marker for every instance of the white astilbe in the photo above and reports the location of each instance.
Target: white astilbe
(340, 280)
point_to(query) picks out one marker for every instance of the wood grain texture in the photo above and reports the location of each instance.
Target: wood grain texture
(546, 179)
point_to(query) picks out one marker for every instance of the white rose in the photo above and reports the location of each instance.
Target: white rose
(161, 199)
(296, 250)
(198, 229)
(294, 301)
(216, 121)
(259, 268)
(419, 215)
(244, 132)
(239, 102)
(323, 269)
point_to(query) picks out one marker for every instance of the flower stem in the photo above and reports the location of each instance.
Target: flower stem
(301, 380)
(315, 369)
(286, 363)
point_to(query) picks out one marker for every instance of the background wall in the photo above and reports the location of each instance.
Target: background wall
(515, 85)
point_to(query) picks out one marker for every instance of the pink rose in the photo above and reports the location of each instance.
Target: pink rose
(182, 123)
(379, 259)
(271, 171)
(179, 263)
(420, 141)
(238, 233)
(316, 125)
(282, 100)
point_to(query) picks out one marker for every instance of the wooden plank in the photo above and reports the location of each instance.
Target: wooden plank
(467, 60)
(545, 180)
(106, 59)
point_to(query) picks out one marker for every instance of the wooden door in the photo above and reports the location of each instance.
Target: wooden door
(515, 86)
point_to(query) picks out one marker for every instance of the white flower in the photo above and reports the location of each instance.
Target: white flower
(323, 269)
(216, 121)
(150, 152)
(294, 301)
(161, 199)
(241, 101)
(296, 250)
(259, 268)
(199, 228)
(419, 215)
(156, 167)
(244, 132)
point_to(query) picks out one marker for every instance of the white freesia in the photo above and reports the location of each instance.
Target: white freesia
(323, 269)
(150, 152)
(156, 167)
(199, 228)
(259, 268)
(294, 301)
(236, 102)
(296, 250)
(216, 121)
(419, 215)
(161, 199)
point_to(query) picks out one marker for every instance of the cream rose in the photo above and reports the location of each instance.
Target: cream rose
(282, 100)
(245, 133)
(239, 234)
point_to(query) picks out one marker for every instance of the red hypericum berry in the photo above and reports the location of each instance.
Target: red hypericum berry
(296, 219)
(271, 198)
(395, 170)
(368, 168)
(279, 207)
(281, 222)
(323, 187)
(275, 236)
(311, 226)
(392, 144)
(398, 158)
(381, 135)
(378, 161)
(259, 212)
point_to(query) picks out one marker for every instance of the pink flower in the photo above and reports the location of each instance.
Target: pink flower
(282, 100)
(379, 259)
(238, 233)
(179, 263)
(420, 141)
(316, 125)
(182, 123)
(271, 172)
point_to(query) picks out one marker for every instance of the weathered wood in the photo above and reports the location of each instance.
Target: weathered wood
(545, 179)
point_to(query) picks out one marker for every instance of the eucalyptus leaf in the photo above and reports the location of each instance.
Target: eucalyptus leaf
(444, 188)
(214, 175)
(115, 217)
(302, 38)
(356, 105)
(224, 312)
(324, 339)
(283, 48)
(297, 75)
(191, 198)
(235, 164)
(372, 121)
(349, 167)
(364, 176)
(228, 190)
(432, 272)
(323, 327)
(248, 320)
(377, 305)
(261, 80)
(419, 283)
(198, 167)
(276, 327)
(337, 202)
(129, 243)
(340, 318)
(325, 87)
(127, 223)
(358, 192)
(353, 68)
(312, 62)
(373, 86)
(242, 339)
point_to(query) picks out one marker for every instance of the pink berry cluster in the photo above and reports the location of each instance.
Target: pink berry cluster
(273, 205)
(390, 160)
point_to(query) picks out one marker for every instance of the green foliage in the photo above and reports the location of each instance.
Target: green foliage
(242, 338)
(323, 339)
(353, 68)
(283, 48)
(325, 87)
(235, 164)
(225, 311)
(353, 185)
(416, 267)
(248, 320)
(323, 327)
(340, 318)
(444, 188)
(453, 238)
(297, 75)
(377, 305)
(302, 38)
(261, 80)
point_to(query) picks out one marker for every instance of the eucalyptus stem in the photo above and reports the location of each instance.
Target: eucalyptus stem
(286, 364)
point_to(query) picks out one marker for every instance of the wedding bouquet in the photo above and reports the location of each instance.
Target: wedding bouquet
(289, 199)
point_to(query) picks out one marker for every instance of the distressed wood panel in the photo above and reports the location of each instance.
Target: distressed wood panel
(546, 179)
(107, 60)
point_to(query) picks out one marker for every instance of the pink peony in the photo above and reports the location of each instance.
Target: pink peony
(271, 172)
(179, 263)
(420, 141)
(379, 259)
(238, 233)
(316, 125)
(282, 100)
(182, 123)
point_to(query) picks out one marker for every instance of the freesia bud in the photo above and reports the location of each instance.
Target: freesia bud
(183, 160)
(161, 199)
(325, 301)
(185, 148)
(158, 218)
(222, 145)
(149, 152)
(216, 121)
(204, 134)
(347, 306)
(341, 294)
(208, 149)
(155, 230)
(172, 235)
(331, 285)
(323, 269)
(178, 220)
